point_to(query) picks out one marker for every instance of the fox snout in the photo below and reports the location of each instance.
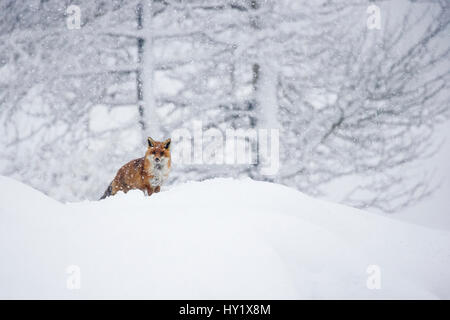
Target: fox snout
(157, 158)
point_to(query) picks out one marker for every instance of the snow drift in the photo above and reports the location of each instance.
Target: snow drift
(215, 239)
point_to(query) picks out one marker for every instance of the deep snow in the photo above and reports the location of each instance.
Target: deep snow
(220, 238)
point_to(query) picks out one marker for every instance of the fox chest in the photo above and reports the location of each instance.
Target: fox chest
(159, 175)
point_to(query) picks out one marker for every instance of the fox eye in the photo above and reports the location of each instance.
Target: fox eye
(153, 152)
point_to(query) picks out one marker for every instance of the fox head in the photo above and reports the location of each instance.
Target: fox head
(158, 153)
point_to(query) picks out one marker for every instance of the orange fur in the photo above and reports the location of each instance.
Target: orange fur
(147, 173)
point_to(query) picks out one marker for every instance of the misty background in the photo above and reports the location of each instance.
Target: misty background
(363, 112)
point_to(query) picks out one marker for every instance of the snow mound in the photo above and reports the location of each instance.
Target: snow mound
(216, 239)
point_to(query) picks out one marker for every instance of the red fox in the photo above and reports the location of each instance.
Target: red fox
(146, 174)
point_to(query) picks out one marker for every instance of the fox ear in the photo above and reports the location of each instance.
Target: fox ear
(167, 144)
(151, 142)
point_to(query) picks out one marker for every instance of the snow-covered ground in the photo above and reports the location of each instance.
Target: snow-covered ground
(214, 239)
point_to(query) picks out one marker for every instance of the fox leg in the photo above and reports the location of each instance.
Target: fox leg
(149, 191)
(114, 188)
(157, 189)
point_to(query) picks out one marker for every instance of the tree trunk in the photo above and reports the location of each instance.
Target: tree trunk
(145, 74)
(266, 96)
(264, 103)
